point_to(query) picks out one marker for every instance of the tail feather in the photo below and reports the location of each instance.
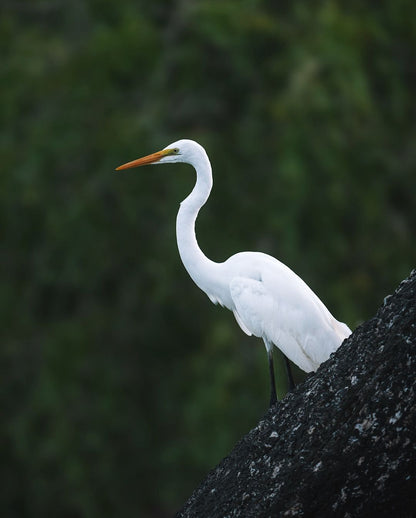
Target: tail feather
(341, 329)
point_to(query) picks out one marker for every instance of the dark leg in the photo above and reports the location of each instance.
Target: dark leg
(273, 395)
(289, 374)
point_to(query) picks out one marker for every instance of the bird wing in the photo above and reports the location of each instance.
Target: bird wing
(257, 312)
(272, 302)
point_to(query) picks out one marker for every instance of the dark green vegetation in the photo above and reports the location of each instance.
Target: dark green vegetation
(121, 383)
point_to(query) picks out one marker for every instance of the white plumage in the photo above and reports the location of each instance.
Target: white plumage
(267, 298)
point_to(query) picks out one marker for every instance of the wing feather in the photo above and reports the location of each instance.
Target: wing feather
(273, 303)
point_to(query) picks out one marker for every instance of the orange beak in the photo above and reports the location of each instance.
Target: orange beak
(149, 159)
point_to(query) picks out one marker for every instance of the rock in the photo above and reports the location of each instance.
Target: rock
(343, 443)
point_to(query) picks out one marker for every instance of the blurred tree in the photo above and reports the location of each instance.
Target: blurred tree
(115, 398)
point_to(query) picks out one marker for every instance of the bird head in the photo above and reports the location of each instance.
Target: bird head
(186, 151)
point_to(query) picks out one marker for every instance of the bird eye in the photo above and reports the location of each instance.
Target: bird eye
(176, 150)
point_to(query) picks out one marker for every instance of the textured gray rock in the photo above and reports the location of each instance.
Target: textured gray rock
(342, 443)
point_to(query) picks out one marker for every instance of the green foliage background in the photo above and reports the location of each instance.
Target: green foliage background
(121, 383)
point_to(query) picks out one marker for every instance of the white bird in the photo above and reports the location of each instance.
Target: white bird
(267, 298)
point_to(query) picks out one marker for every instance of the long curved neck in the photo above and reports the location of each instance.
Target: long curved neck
(196, 263)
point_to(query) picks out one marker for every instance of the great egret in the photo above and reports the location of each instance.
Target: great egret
(267, 298)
